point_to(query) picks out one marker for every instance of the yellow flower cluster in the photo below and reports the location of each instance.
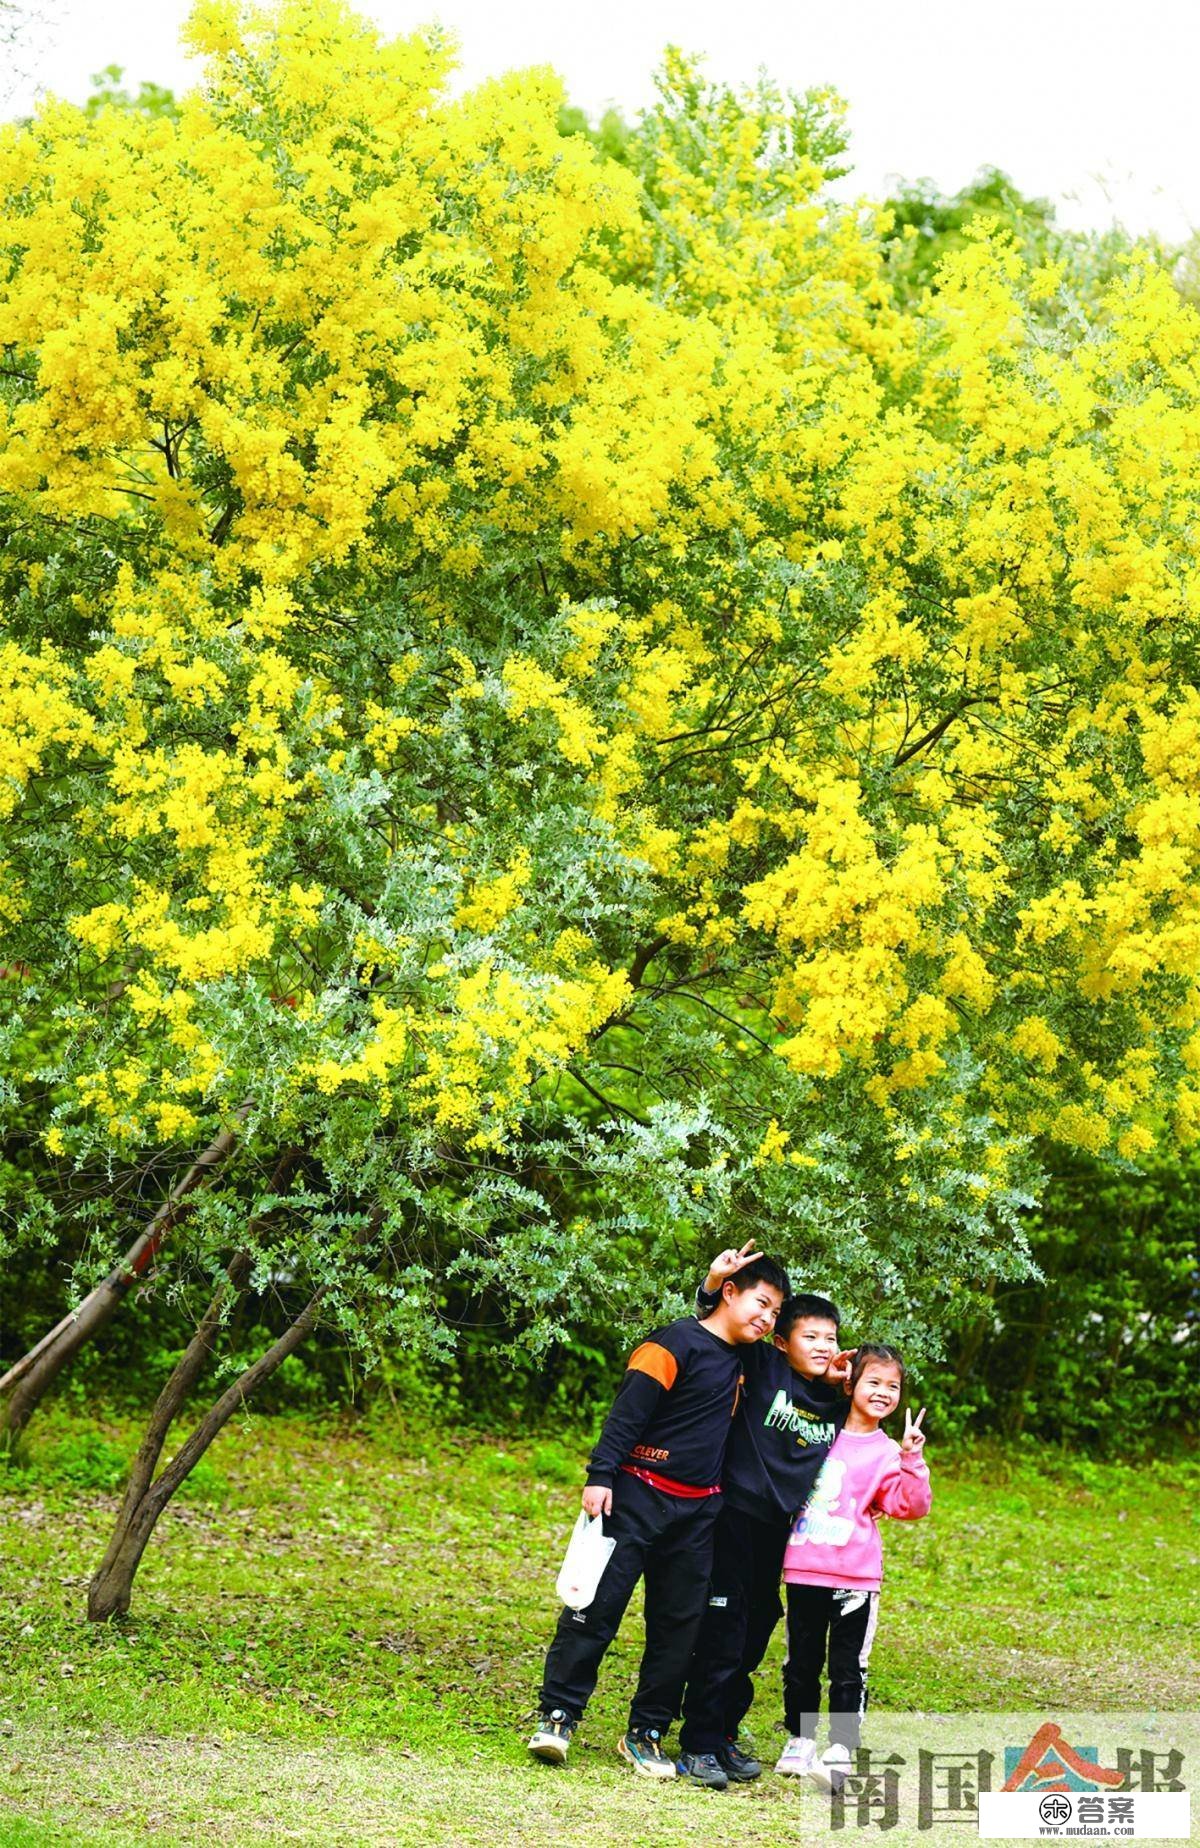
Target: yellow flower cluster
(483, 560)
(37, 713)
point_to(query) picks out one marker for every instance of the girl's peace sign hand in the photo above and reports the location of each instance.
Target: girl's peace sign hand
(914, 1437)
(727, 1264)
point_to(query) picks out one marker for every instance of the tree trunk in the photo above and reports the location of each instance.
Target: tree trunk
(31, 1377)
(972, 1341)
(1016, 1423)
(111, 1589)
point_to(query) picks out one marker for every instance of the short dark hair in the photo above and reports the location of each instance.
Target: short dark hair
(874, 1350)
(797, 1307)
(763, 1270)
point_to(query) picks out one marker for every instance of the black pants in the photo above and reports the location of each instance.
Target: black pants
(743, 1608)
(667, 1540)
(844, 1621)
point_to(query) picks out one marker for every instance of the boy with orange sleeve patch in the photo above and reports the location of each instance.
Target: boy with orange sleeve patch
(655, 1476)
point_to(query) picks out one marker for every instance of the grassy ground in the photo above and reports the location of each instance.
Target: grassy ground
(337, 1636)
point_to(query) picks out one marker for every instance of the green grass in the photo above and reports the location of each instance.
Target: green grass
(337, 1636)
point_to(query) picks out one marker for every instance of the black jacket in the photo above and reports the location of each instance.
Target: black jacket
(674, 1407)
(782, 1437)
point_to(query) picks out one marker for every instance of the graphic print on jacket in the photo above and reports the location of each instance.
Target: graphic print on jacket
(819, 1525)
(808, 1427)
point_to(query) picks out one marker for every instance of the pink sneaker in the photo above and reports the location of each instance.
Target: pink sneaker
(796, 1757)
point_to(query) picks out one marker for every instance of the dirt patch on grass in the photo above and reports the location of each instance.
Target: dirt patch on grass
(1032, 1678)
(174, 1791)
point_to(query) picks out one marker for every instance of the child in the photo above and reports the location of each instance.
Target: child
(790, 1415)
(655, 1475)
(833, 1565)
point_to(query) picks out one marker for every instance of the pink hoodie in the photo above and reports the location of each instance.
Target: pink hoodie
(836, 1539)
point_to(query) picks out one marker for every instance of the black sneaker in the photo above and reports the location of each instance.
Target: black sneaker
(703, 1768)
(738, 1765)
(553, 1737)
(643, 1750)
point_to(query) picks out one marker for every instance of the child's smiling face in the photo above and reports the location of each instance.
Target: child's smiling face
(877, 1391)
(810, 1344)
(752, 1312)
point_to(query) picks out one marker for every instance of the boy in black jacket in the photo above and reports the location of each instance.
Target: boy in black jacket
(794, 1406)
(655, 1475)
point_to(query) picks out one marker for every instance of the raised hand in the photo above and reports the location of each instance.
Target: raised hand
(727, 1264)
(838, 1371)
(914, 1438)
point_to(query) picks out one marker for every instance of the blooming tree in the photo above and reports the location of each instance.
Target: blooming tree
(544, 712)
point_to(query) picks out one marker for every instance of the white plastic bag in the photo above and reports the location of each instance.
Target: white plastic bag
(588, 1552)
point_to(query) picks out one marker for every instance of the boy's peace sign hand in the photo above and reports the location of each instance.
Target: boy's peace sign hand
(914, 1438)
(728, 1263)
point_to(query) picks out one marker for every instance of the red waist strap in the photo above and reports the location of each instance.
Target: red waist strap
(668, 1486)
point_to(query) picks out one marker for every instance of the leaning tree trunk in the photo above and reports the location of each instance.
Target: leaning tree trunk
(31, 1377)
(145, 1498)
(972, 1342)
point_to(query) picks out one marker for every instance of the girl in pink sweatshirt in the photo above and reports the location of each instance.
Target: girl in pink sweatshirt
(833, 1565)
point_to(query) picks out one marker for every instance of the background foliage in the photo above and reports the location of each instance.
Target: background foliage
(606, 701)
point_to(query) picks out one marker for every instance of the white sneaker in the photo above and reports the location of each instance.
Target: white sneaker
(796, 1756)
(828, 1772)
